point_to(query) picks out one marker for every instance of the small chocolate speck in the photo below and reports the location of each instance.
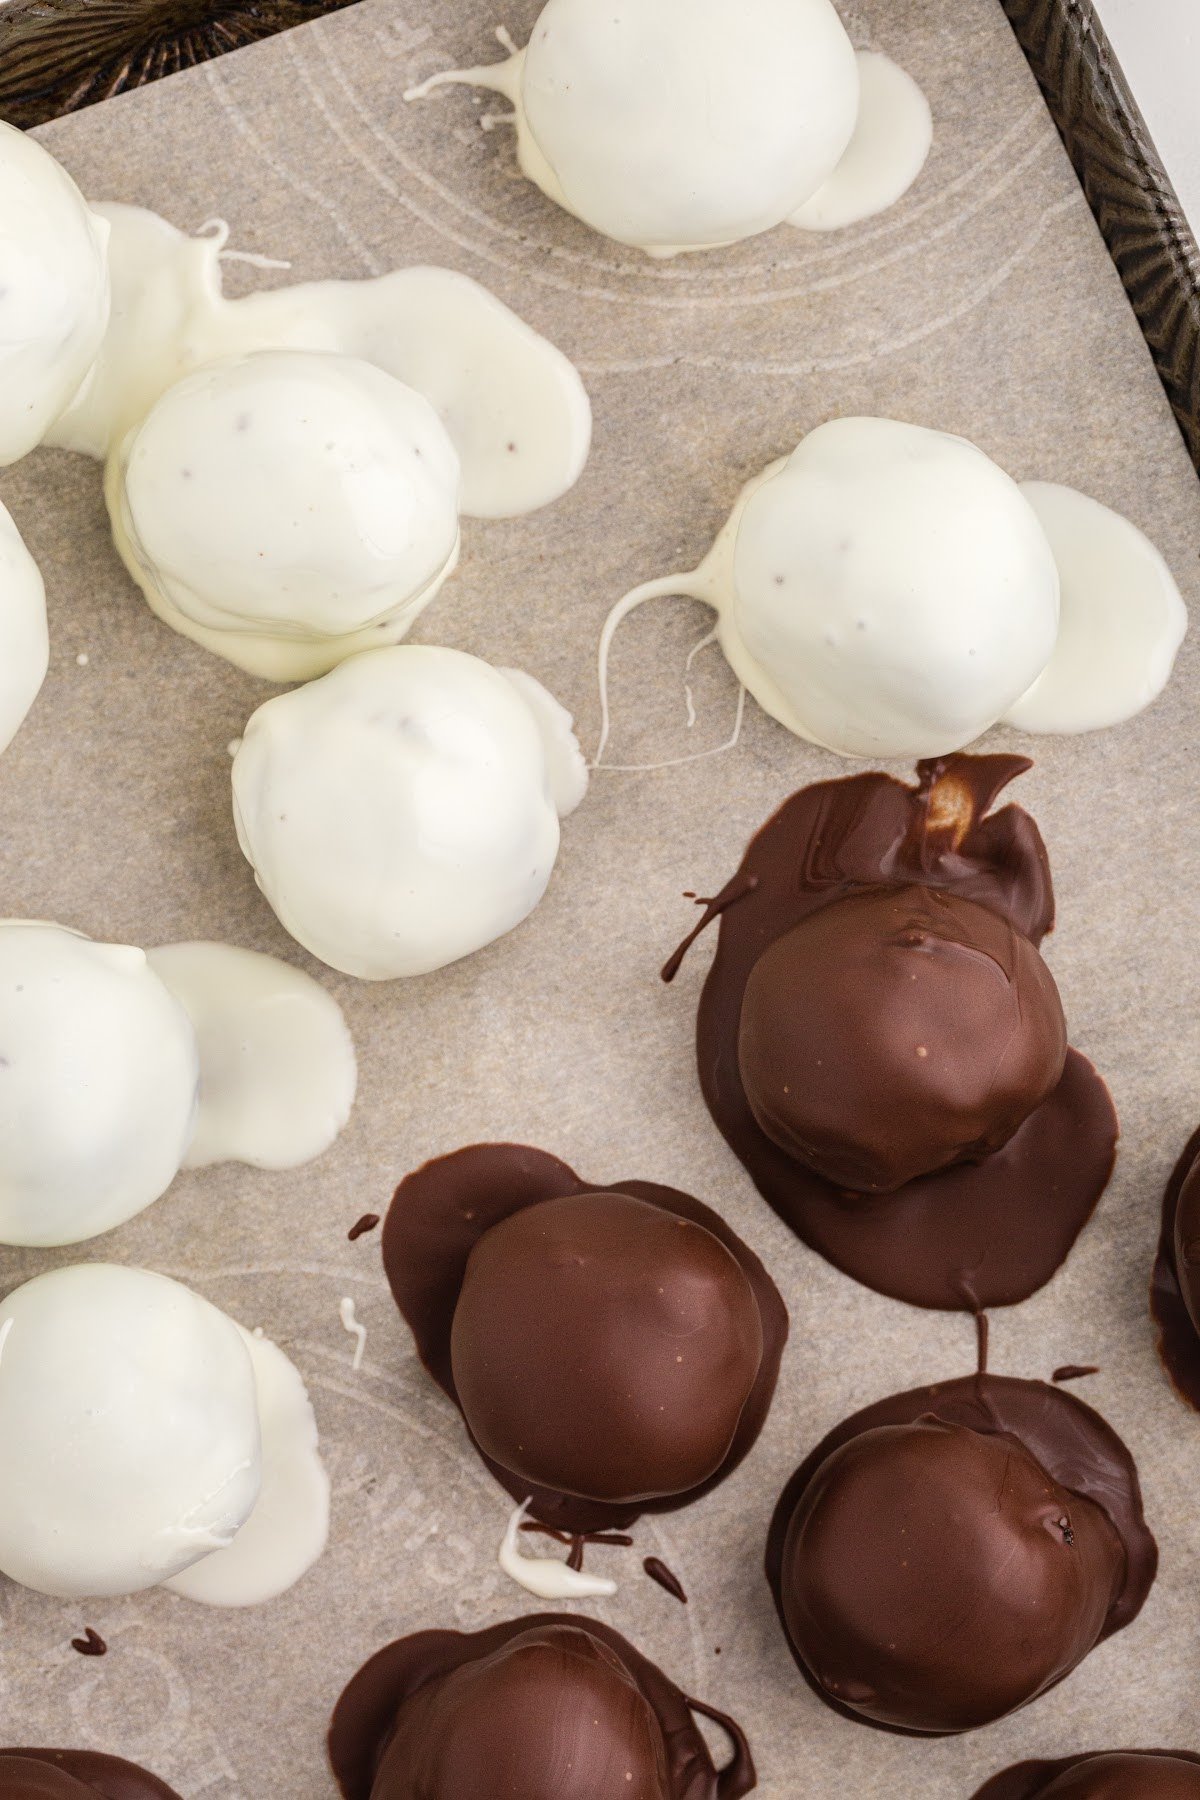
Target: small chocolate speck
(90, 1644)
(1074, 1372)
(360, 1228)
(666, 1578)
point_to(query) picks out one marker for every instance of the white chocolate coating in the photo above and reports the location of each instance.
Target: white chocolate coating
(54, 293)
(24, 639)
(98, 1085)
(683, 125)
(514, 407)
(129, 1431)
(118, 1068)
(288, 1528)
(277, 1067)
(404, 811)
(891, 141)
(287, 508)
(887, 591)
(893, 592)
(688, 122)
(1123, 618)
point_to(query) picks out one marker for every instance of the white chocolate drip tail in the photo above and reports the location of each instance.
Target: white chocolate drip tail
(503, 77)
(545, 1576)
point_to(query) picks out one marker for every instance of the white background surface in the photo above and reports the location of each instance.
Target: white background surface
(1157, 43)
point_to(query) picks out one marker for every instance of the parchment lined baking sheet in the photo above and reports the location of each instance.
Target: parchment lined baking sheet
(985, 304)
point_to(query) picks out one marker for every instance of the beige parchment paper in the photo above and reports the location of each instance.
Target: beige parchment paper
(984, 304)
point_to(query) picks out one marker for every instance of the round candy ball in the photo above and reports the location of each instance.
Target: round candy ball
(605, 1348)
(896, 1032)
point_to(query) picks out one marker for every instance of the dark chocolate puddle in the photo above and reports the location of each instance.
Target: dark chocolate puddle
(980, 1234)
(439, 1213)
(1178, 1344)
(365, 1715)
(109, 1776)
(1026, 1780)
(1075, 1446)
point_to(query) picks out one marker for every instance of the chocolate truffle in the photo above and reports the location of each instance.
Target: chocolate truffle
(958, 1179)
(896, 1032)
(76, 1775)
(605, 1348)
(610, 1351)
(1175, 1287)
(542, 1708)
(1101, 1775)
(948, 1555)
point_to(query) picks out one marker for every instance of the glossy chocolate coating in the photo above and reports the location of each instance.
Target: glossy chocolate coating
(542, 1708)
(1101, 1775)
(611, 1351)
(605, 1348)
(947, 1555)
(896, 1032)
(975, 1234)
(1175, 1283)
(76, 1775)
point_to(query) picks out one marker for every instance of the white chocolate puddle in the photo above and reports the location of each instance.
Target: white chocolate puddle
(143, 1435)
(118, 1069)
(288, 1526)
(24, 638)
(685, 125)
(404, 811)
(887, 591)
(1121, 624)
(285, 472)
(277, 1066)
(892, 139)
(492, 379)
(547, 1576)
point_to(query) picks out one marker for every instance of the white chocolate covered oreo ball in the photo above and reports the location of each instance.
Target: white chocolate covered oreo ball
(99, 1077)
(24, 641)
(287, 508)
(404, 811)
(54, 292)
(129, 1431)
(668, 125)
(118, 1068)
(893, 591)
(674, 125)
(888, 591)
(145, 1438)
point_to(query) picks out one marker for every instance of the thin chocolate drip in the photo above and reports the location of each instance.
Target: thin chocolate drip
(737, 889)
(666, 1578)
(981, 1343)
(90, 1644)
(575, 1559)
(368, 1222)
(1074, 1372)
(739, 1776)
(620, 1540)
